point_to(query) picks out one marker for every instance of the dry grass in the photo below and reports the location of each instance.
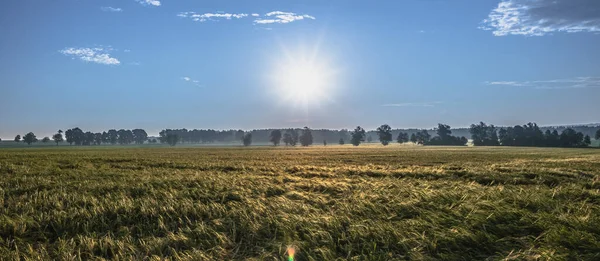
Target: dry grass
(365, 203)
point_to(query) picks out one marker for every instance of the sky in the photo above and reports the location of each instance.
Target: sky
(224, 64)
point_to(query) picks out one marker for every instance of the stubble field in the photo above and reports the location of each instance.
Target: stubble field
(357, 203)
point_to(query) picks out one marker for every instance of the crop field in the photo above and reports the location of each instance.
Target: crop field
(346, 203)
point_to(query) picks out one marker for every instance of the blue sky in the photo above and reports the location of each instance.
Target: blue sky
(101, 64)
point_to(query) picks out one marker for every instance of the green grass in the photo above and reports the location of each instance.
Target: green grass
(358, 203)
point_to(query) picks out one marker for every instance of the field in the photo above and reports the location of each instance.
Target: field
(357, 203)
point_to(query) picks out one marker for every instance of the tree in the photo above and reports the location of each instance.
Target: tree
(126, 136)
(422, 137)
(75, 135)
(29, 138)
(139, 136)
(369, 139)
(275, 137)
(172, 138)
(306, 139)
(402, 137)
(290, 137)
(413, 138)
(324, 142)
(58, 137)
(443, 131)
(385, 134)
(113, 136)
(357, 136)
(598, 134)
(247, 139)
(45, 139)
(587, 141)
(98, 138)
(341, 142)
(484, 135)
(17, 138)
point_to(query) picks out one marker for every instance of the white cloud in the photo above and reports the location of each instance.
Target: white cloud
(149, 2)
(412, 104)
(96, 55)
(188, 79)
(255, 15)
(282, 18)
(541, 17)
(570, 83)
(111, 9)
(210, 16)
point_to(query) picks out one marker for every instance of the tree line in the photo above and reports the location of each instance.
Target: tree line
(481, 134)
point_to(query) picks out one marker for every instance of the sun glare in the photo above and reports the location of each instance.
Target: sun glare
(303, 79)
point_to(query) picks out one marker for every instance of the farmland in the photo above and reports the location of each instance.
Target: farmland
(335, 202)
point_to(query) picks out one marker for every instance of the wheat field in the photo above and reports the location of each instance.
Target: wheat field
(329, 203)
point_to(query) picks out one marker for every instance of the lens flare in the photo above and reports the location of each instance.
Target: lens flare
(291, 251)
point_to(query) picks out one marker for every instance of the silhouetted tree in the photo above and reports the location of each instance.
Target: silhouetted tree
(247, 140)
(139, 136)
(402, 137)
(445, 138)
(357, 136)
(17, 138)
(88, 138)
(341, 141)
(45, 139)
(306, 139)
(598, 134)
(369, 139)
(98, 138)
(29, 138)
(287, 138)
(385, 134)
(587, 141)
(484, 135)
(324, 142)
(105, 137)
(413, 138)
(422, 137)
(75, 135)
(113, 136)
(172, 138)
(275, 137)
(58, 137)
(290, 137)
(126, 136)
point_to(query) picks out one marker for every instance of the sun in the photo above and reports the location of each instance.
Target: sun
(304, 79)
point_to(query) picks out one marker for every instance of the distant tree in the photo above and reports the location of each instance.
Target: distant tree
(105, 138)
(324, 142)
(113, 136)
(126, 136)
(422, 137)
(275, 137)
(385, 134)
(369, 139)
(88, 138)
(29, 138)
(75, 135)
(484, 135)
(344, 134)
(357, 136)
(58, 137)
(341, 142)
(445, 138)
(154, 141)
(172, 138)
(402, 137)
(17, 138)
(45, 139)
(290, 137)
(98, 138)
(413, 138)
(306, 139)
(287, 138)
(443, 131)
(247, 140)
(587, 141)
(239, 135)
(598, 134)
(139, 136)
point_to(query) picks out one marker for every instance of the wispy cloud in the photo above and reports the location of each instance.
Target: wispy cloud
(412, 104)
(282, 18)
(111, 9)
(541, 17)
(149, 2)
(190, 80)
(275, 17)
(571, 83)
(210, 16)
(98, 55)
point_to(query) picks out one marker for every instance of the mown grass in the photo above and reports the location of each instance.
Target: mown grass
(364, 203)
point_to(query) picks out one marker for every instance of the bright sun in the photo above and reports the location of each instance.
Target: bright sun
(303, 79)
